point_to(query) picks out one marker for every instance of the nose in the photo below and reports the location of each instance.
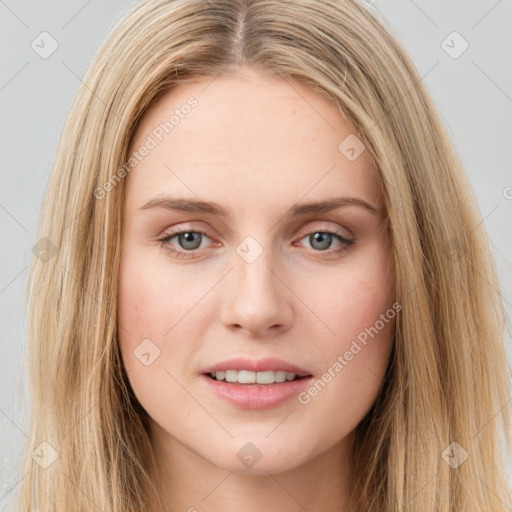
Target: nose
(257, 298)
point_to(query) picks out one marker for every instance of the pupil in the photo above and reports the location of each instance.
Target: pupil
(187, 240)
(323, 238)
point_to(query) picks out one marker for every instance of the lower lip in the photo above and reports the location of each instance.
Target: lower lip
(257, 396)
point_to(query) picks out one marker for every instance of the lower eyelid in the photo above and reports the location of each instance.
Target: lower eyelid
(344, 244)
(165, 242)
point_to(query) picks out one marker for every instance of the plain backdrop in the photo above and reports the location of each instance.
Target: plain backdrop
(461, 48)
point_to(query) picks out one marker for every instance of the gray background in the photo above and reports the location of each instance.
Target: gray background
(473, 93)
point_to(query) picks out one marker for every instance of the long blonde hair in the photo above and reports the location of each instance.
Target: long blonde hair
(447, 379)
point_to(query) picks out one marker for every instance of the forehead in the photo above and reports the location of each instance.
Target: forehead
(249, 137)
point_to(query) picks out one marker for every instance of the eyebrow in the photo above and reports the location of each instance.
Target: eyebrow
(209, 207)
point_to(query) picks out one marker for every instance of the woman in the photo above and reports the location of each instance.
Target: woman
(195, 345)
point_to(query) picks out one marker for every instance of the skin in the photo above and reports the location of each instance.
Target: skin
(256, 144)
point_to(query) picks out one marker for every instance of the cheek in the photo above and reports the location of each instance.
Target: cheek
(141, 305)
(352, 295)
(153, 295)
(356, 302)
(147, 297)
(148, 308)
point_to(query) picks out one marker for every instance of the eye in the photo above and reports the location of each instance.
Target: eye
(188, 240)
(320, 241)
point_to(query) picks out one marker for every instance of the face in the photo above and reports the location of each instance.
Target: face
(267, 285)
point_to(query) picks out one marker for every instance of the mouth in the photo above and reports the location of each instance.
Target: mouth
(256, 385)
(248, 377)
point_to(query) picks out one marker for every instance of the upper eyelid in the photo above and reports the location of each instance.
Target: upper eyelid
(302, 233)
(302, 230)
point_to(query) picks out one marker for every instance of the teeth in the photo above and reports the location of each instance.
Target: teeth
(248, 377)
(281, 376)
(231, 375)
(268, 377)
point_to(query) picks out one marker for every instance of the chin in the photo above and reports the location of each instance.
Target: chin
(258, 457)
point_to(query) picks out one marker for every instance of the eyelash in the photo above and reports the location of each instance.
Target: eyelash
(190, 254)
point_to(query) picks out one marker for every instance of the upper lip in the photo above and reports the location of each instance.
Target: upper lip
(256, 365)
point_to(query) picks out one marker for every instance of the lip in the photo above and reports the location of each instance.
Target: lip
(256, 365)
(256, 396)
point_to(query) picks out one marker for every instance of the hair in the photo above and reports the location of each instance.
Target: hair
(447, 378)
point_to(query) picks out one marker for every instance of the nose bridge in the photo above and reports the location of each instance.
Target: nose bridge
(252, 267)
(256, 300)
